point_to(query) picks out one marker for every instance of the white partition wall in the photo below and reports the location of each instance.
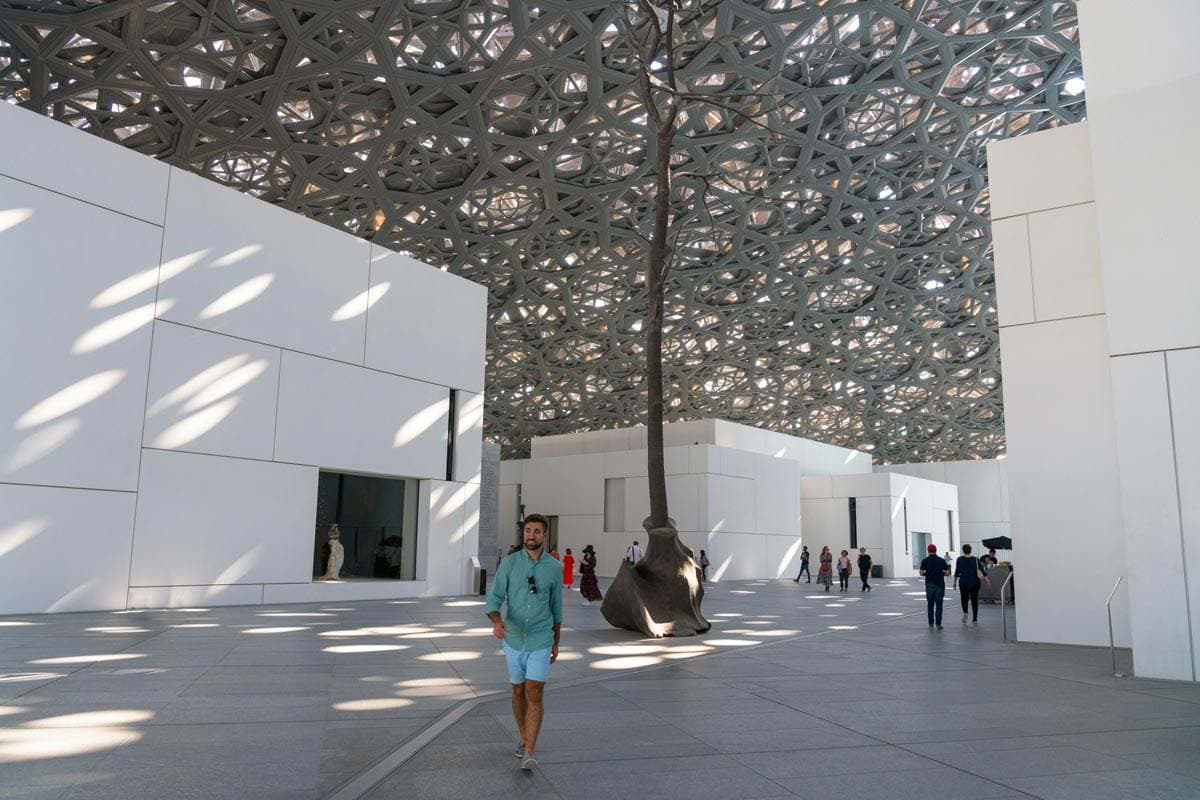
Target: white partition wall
(181, 361)
(983, 497)
(1143, 89)
(737, 492)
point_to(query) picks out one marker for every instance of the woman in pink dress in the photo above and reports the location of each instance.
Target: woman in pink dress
(568, 570)
(589, 587)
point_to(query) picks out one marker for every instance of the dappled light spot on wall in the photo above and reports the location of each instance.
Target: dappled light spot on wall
(420, 422)
(41, 444)
(720, 571)
(36, 744)
(99, 657)
(29, 677)
(192, 428)
(91, 719)
(296, 629)
(72, 398)
(235, 571)
(144, 281)
(452, 655)
(373, 704)
(12, 217)
(898, 504)
(234, 256)
(226, 385)
(785, 563)
(347, 649)
(114, 329)
(194, 385)
(357, 306)
(16, 535)
(238, 296)
(626, 662)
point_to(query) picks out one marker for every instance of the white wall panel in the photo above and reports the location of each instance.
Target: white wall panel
(190, 596)
(203, 520)
(783, 556)
(508, 533)
(75, 317)
(812, 486)
(1047, 169)
(446, 560)
(513, 471)
(557, 445)
(1066, 262)
(237, 265)
(565, 485)
(1062, 469)
(730, 504)
(739, 556)
(753, 440)
(1145, 202)
(425, 323)
(776, 506)
(606, 441)
(338, 416)
(725, 434)
(1183, 367)
(676, 460)
(869, 485)
(211, 393)
(736, 463)
(1014, 270)
(342, 591)
(628, 464)
(826, 522)
(978, 483)
(1127, 53)
(870, 513)
(1153, 536)
(611, 551)
(577, 532)
(48, 153)
(681, 434)
(470, 533)
(63, 549)
(468, 452)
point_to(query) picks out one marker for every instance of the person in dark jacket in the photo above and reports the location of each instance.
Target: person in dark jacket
(864, 569)
(803, 566)
(935, 569)
(968, 572)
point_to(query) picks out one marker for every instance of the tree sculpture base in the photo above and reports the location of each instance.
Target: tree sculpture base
(661, 595)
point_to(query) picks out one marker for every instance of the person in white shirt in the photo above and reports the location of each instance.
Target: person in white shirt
(633, 554)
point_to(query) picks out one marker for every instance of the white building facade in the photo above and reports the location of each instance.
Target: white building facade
(187, 367)
(749, 498)
(1100, 339)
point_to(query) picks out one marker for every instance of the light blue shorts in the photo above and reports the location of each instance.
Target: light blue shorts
(527, 665)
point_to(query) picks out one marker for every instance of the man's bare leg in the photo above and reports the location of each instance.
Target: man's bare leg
(533, 715)
(520, 711)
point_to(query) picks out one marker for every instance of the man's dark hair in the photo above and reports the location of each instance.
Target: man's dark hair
(538, 518)
(966, 549)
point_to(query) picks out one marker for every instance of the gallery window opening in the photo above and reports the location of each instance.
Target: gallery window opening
(366, 528)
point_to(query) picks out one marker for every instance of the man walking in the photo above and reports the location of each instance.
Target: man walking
(864, 569)
(530, 582)
(633, 554)
(935, 569)
(803, 566)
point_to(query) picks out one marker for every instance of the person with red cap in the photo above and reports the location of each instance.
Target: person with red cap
(935, 569)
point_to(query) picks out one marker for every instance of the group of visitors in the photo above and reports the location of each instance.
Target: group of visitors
(844, 568)
(970, 573)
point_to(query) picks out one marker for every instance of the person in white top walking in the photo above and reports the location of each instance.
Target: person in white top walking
(633, 554)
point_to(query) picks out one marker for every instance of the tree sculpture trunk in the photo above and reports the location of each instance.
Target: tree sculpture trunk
(662, 593)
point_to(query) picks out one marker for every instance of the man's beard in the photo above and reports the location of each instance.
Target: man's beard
(532, 546)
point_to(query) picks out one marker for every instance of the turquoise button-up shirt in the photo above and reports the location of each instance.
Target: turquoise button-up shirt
(531, 616)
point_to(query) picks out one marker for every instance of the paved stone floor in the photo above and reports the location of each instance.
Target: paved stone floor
(796, 693)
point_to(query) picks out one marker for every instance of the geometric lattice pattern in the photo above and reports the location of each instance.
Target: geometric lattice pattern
(838, 284)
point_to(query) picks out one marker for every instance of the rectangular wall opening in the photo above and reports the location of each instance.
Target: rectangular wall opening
(376, 521)
(614, 505)
(853, 523)
(920, 541)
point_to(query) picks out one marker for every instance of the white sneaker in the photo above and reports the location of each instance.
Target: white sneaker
(964, 618)
(587, 602)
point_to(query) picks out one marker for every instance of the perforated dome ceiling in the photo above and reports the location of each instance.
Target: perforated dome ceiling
(837, 284)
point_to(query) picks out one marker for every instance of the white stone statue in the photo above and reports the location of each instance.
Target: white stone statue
(337, 554)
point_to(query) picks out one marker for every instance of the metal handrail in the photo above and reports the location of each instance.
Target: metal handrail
(1112, 648)
(1004, 606)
